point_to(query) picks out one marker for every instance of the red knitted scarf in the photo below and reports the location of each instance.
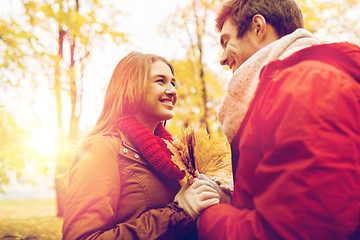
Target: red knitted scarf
(152, 146)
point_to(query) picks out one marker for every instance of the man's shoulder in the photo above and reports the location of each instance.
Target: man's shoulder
(335, 57)
(344, 56)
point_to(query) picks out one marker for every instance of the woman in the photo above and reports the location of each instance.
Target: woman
(122, 183)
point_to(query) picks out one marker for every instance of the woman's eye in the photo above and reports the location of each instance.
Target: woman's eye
(173, 83)
(160, 80)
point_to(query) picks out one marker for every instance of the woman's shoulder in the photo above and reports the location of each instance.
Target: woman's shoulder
(103, 140)
(99, 145)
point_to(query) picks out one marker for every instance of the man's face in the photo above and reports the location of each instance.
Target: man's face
(236, 50)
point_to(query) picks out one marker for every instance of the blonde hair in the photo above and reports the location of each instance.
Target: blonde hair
(126, 93)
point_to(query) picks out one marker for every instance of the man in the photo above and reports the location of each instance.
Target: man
(292, 116)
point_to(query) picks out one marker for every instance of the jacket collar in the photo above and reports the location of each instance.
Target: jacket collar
(128, 150)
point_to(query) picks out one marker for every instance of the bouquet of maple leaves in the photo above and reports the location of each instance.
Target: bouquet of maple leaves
(195, 151)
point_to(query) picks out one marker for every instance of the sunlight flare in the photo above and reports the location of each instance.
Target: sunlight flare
(44, 141)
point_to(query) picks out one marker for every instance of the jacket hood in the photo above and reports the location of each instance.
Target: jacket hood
(345, 56)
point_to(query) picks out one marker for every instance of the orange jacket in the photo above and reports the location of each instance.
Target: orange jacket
(115, 194)
(296, 156)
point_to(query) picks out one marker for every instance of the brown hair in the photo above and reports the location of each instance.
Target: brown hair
(126, 93)
(284, 15)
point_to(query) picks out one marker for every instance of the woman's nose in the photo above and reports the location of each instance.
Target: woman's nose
(170, 90)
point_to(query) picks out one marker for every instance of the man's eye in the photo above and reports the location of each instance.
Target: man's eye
(160, 80)
(173, 83)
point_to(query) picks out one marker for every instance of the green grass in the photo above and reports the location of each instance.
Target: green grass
(29, 220)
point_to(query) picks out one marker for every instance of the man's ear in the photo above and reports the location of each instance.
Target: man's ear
(259, 26)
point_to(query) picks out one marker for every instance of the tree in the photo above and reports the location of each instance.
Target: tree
(332, 20)
(11, 159)
(78, 29)
(18, 48)
(188, 107)
(196, 33)
(193, 27)
(62, 34)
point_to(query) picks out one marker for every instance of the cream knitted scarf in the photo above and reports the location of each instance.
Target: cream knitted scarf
(243, 84)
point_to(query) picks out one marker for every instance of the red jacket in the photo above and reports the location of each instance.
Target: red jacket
(296, 156)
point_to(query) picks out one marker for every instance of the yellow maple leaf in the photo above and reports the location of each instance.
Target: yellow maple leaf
(196, 151)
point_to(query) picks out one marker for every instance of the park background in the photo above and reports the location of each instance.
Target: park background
(56, 59)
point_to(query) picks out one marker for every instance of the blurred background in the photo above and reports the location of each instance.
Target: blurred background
(57, 57)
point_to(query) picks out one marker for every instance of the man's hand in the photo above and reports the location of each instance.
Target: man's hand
(223, 191)
(196, 197)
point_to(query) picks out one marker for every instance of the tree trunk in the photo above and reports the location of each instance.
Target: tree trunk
(63, 158)
(74, 118)
(199, 34)
(60, 195)
(204, 116)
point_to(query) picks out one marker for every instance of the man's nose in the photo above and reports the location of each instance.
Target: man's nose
(223, 60)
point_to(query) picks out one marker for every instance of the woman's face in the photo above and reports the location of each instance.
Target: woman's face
(161, 95)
